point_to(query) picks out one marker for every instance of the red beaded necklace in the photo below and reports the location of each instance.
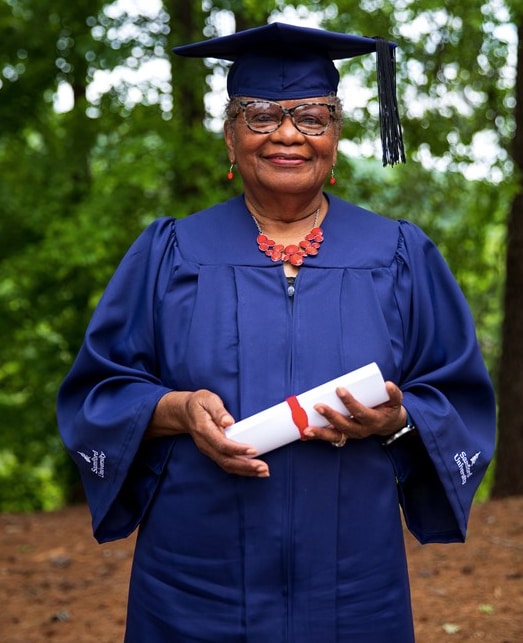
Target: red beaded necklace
(292, 253)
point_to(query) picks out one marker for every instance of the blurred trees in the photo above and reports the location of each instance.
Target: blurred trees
(78, 182)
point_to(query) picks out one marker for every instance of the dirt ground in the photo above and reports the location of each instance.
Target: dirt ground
(57, 584)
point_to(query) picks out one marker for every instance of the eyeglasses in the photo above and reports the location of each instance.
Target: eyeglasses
(265, 116)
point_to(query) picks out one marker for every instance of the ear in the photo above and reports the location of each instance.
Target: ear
(335, 156)
(228, 134)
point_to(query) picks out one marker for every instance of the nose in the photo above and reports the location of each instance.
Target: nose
(287, 128)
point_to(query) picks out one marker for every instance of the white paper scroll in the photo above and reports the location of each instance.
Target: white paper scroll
(275, 426)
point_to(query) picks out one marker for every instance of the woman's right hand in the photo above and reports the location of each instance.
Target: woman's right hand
(203, 415)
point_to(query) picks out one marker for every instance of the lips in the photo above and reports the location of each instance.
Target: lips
(286, 159)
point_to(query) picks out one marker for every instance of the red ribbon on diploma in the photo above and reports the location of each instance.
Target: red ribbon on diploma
(299, 415)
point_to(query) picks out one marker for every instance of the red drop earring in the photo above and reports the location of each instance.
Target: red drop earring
(332, 180)
(230, 173)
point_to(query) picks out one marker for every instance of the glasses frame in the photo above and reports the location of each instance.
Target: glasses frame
(287, 111)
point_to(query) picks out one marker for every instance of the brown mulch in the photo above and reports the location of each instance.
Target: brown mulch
(57, 584)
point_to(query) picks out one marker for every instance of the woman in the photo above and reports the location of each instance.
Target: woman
(214, 317)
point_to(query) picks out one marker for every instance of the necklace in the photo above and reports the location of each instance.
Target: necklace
(293, 253)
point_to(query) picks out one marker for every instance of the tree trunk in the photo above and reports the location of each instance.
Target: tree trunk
(508, 479)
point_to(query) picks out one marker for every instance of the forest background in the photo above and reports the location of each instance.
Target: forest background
(102, 131)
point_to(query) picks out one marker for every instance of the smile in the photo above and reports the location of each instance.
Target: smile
(282, 159)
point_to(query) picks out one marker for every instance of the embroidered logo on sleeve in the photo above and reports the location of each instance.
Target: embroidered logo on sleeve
(465, 465)
(97, 462)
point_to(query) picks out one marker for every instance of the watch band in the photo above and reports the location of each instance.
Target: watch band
(392, 438)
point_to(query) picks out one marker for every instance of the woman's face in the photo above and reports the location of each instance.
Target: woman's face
(285, 160)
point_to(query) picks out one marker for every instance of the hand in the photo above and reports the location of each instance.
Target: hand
(203, 415)
(360, 421)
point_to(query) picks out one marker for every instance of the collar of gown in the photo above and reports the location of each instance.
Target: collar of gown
(225, 234)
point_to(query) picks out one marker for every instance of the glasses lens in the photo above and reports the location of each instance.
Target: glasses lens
(312, 119)
(263, 117)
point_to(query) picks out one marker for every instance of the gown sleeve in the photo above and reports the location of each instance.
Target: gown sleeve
(447, 392)
(107, 399)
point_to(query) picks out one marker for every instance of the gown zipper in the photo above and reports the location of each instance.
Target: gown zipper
(288, 554)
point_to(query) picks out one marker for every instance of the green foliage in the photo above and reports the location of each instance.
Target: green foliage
(466, 219)
(78, 187)
(29, 486)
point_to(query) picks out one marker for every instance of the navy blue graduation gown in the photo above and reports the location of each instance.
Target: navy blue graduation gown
(315, 552)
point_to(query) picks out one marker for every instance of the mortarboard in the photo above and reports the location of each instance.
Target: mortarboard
(281, 62)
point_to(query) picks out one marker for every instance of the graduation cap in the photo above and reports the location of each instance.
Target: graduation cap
(281, 62)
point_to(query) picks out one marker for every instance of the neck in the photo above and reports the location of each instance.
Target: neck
(291, 252)
(316, 215)
(287, 219)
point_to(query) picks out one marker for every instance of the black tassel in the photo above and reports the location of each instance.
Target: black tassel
(390, 124)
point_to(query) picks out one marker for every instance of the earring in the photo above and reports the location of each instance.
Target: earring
(230, 173)
(332, 180)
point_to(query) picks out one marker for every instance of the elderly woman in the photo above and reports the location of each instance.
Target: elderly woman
(217, 316)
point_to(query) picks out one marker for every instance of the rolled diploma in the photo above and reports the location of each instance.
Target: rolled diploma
(274, 427)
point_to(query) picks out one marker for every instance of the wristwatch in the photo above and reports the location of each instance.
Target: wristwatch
(408, 428)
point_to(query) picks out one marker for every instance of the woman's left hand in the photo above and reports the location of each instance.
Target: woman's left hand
(360, 421)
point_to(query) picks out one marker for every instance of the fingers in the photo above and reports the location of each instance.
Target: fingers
(242, 465)
(326, 434)
(238, 464)
(395, 394)
(204, 405)
(208, 420)
(360, 421)
(351, 424)
(231, 456)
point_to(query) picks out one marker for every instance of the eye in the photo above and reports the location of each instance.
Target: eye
(260, 114)
(312, 117)
(262, 117)
(309, 119)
